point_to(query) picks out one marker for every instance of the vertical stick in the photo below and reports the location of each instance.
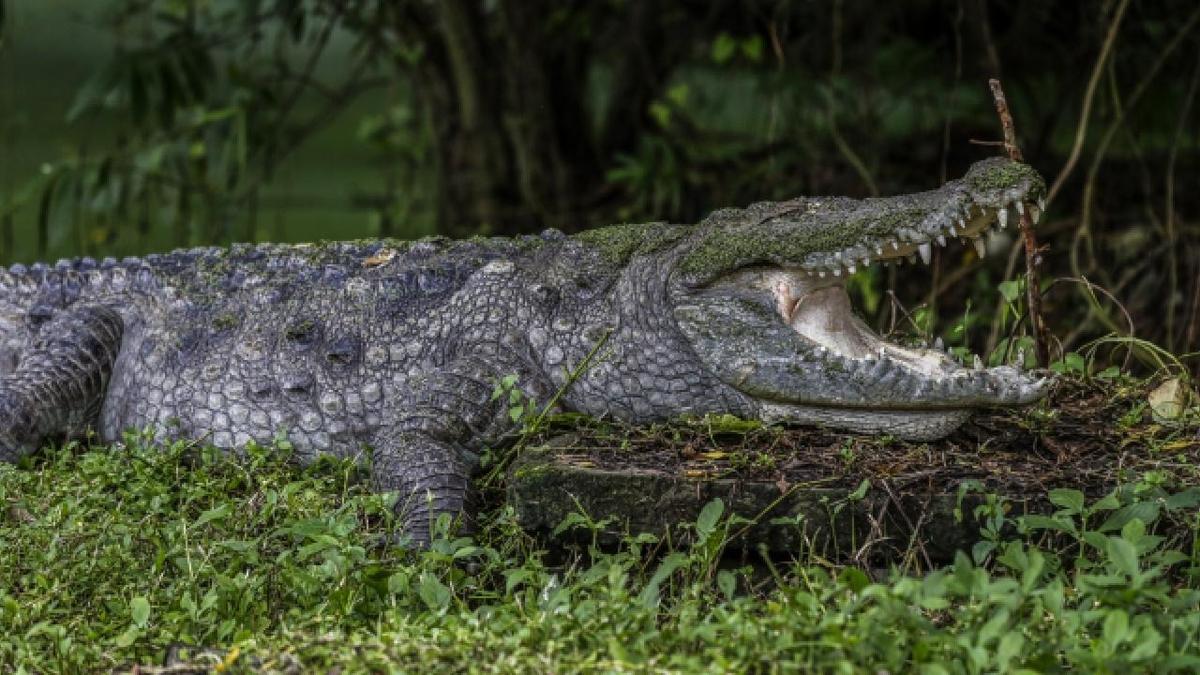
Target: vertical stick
(1032, 253)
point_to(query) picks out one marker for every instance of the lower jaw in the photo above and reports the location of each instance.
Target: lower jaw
(912, 425)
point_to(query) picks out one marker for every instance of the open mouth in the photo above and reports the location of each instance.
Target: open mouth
(812, 299)
(762, 299)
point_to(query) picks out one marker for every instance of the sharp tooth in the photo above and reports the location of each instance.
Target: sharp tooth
(1041, 203)
(837, 254)
(977, 363)
(821, 273)
(962, 224)
(1035, 213)
(941, 240)
(1002, 217)
(980, 247)
(895, 245)
(878, 249)
(837, 271)
(851, 269)
(926, 252)
(939, 345)
(1020, 207)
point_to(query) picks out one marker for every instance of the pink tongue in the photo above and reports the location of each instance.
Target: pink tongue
(825, 315)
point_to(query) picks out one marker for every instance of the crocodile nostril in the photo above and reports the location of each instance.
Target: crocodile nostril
(300, 383)
(262, 389)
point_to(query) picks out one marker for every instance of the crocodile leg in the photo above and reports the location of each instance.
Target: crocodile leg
(58, 384)
(426, 456)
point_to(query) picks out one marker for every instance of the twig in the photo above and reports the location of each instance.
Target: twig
(1032, 254)
(1172, 259)
(914, 530)
(843, 147)
(1089, 185)
(1089, 94)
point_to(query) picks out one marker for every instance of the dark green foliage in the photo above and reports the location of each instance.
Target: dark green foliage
(464, 117)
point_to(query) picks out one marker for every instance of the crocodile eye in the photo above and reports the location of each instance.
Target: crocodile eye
(304, 332)
(343, 351)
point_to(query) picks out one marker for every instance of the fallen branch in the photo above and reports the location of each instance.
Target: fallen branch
(1032, 253)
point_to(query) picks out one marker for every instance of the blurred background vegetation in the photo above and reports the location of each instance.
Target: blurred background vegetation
(128, 126)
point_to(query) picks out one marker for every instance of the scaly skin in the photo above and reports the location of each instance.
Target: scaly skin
(392, 349)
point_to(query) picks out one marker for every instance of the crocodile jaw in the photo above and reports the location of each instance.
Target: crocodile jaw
(803, 355)
(836, 236)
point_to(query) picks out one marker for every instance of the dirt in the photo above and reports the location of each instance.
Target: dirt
(1089, 435)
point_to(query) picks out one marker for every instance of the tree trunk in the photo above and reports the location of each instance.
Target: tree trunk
(503, 89)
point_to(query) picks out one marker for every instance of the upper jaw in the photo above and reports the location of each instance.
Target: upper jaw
(959, 215)
(832, 236)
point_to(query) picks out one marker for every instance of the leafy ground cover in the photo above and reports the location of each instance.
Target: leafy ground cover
(179, 558)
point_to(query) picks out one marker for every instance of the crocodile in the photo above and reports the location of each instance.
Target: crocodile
(391, 351)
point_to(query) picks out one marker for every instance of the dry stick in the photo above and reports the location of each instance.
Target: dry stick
(1076, 149)
(1032, 254)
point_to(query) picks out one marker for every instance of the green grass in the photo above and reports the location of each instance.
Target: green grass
(115, 557)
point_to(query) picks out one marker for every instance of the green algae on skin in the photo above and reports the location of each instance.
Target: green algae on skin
(728, 246)
(1006, 175)
(618, 243)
